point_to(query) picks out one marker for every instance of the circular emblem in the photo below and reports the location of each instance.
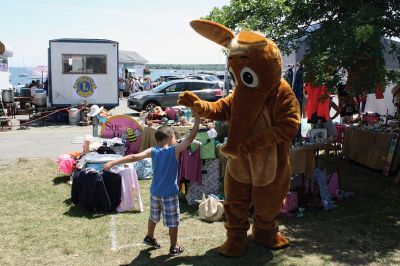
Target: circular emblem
(85, 86)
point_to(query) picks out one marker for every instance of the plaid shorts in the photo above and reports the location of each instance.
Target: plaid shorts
(168, 206)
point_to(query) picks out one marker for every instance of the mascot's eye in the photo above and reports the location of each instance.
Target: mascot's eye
(249, 77)
(232, 75)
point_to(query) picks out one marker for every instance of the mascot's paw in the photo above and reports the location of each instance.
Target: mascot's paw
(188, 99)
(191, 100)
(233, 247)
(272, 239)
(229, 152)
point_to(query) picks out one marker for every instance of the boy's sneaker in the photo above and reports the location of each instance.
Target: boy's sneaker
(173, 251)
(151, 242)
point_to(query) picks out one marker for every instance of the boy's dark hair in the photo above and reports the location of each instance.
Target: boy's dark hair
(163, 133)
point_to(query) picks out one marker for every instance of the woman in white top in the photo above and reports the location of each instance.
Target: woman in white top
(33, 88)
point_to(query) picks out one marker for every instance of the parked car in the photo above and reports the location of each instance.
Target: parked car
(163, 79)
(207, 77)
(166, 94)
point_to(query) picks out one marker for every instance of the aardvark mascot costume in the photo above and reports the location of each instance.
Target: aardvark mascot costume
(263, 116)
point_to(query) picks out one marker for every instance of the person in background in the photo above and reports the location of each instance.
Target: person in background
(347, 104)
(121, 87)
(130, 86)
(160, 81)
(136, 84)
(164, 187)
(147, 84)
(39, 84)
(211, 132)
(33, 88)
(332, 133)
(126, 91)
(46, 86)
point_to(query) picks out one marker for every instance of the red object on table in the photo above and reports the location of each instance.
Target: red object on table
(340, 133)
(370, 119)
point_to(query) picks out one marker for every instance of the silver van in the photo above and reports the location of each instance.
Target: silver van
(166, 94)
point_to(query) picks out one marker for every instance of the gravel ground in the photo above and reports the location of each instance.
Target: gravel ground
(46, 142)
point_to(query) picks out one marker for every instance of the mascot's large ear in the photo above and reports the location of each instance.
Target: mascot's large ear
(213, 31)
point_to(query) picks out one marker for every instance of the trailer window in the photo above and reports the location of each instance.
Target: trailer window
(3, 64)
(84, 64)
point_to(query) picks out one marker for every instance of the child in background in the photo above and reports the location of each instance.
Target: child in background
(211, 132)
(164, 187)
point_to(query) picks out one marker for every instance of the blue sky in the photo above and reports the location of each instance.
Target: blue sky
(157, 29)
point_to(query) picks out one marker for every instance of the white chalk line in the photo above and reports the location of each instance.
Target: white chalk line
(113, 234)
(167, 241)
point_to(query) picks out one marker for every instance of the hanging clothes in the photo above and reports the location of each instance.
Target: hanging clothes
(112, 181)
(317, 106)
(298, 86)
(298, 89)
(379, 91)
(130, 190)
(190, 168)
(289, 76)
(89, 191)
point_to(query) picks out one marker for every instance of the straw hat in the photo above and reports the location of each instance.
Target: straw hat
(95, 110)
(211, 209)
(158, 110)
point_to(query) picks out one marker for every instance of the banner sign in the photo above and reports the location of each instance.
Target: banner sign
(125, 127)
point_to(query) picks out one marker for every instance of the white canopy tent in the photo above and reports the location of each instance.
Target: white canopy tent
(132, 61)
(381, 106)
(131, 58)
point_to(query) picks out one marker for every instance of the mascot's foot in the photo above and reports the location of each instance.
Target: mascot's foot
(233, 247)
(271, 239)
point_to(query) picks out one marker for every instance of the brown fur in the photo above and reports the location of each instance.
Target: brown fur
(264, 116)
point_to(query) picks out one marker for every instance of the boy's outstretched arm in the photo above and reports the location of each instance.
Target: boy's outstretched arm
(186, 142)
(128, 159)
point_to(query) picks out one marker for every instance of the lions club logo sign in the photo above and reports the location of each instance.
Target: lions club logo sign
(84, 86)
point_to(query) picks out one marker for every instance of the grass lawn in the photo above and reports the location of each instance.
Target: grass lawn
(39, 225)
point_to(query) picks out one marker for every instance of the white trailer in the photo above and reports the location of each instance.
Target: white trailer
(5, 53)
(83, 70)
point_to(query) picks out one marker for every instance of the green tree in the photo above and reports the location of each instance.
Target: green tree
(342, 35)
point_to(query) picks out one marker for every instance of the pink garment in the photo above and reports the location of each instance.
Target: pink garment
(171, 113)
(66, 163)
(190, 168)
(129, 190)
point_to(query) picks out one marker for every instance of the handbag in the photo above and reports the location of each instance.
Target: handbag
(290, 204)
(210, 209)
(207, 147)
